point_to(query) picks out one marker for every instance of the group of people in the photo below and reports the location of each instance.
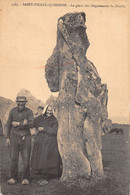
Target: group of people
(44, 158)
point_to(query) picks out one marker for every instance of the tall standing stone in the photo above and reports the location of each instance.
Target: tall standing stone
(82, 100)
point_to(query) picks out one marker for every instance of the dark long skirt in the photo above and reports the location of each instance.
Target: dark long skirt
(45, 154)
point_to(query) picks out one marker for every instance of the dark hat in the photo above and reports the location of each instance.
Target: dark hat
(21, 99)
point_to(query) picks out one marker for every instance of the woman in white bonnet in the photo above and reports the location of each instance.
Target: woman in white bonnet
(45, 155)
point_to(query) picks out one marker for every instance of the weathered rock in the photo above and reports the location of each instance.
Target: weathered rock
(106, 126)
(82, 100)
(4, 105)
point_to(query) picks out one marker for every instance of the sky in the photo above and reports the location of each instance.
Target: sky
(28, 37)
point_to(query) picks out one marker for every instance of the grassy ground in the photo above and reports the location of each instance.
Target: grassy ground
(116, 160)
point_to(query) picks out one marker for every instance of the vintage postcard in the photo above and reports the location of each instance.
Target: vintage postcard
(64, 65)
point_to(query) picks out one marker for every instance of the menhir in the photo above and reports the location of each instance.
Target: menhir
(82, 100)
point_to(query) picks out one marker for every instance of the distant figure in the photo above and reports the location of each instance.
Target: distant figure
(45, 155)
(1, 128)
(19, 138)
(39, 110)
(117, 131)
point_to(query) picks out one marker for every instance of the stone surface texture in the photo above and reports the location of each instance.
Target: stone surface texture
(82, 99)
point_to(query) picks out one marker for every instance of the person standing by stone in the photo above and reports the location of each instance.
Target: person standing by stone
(45, 155)
(39, 110)
(19, 122)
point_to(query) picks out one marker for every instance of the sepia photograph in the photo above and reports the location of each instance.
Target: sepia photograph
(65, 97)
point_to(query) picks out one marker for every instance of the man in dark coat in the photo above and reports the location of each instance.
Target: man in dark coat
(19, 138)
